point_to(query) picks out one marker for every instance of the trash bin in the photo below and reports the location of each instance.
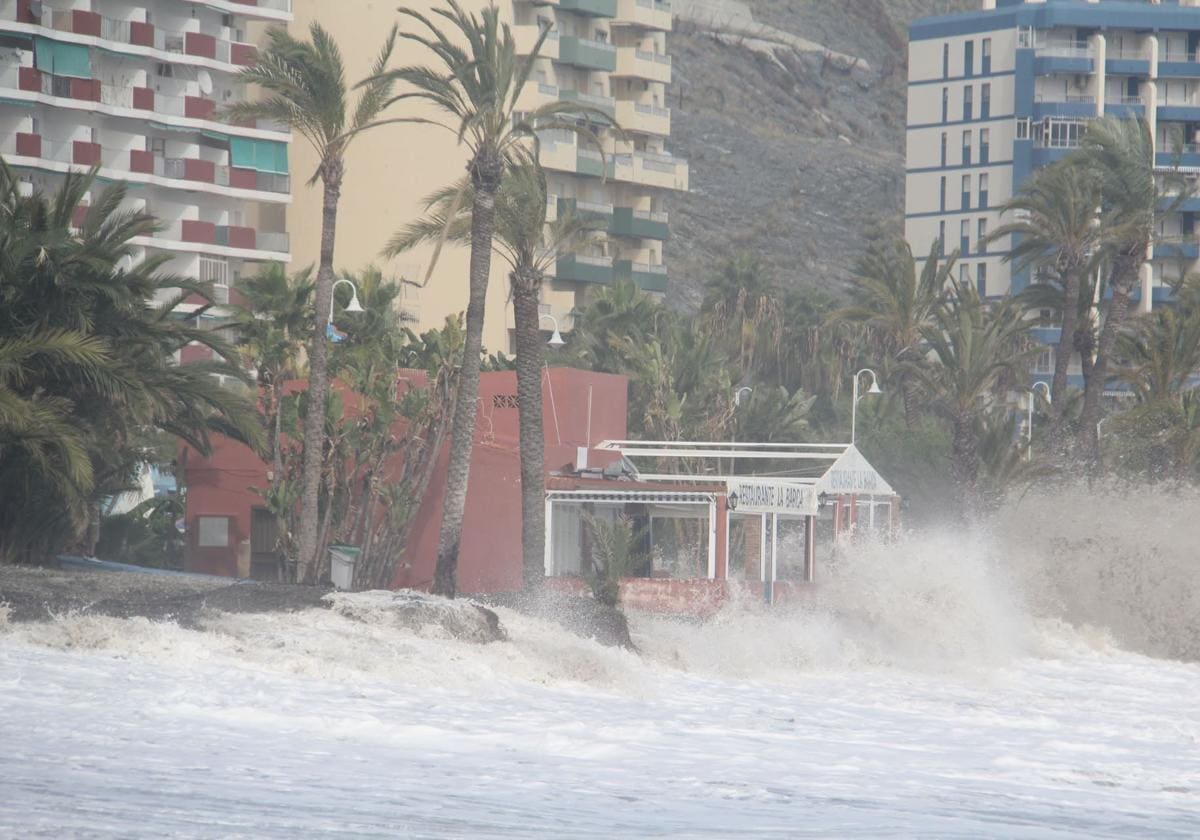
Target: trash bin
(341, 565)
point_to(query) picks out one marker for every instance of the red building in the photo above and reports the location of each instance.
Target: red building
(229, 532)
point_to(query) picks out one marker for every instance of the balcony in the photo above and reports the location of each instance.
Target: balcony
(591, 8)
(1063, 57)
(649, 278)
(647, 14)
(198, 232)
(605, 104)
(586, 210)
(526, 37)
(1127, 61)
(134, 33)
(584, 269)
(643, 118)
(1189, 251)
(641, 64)
(1178, 64)
(652, 169)
(591, 162)
(1077, 105)
(640, 224)
(1179, 108)
(1124, 106)
(591, 55)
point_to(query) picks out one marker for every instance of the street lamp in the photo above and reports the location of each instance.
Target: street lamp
(556, 340)
(1029, 423)
(737, 395)
(854, 398)
(353, 307)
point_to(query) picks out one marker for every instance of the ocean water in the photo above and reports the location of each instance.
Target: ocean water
(1032, 678)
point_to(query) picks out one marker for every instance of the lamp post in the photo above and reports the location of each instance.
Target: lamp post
(1029, 422)
(854, 398)
(556, 340)
(353, 307)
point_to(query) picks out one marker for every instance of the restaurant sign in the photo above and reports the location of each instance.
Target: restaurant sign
(782, 497)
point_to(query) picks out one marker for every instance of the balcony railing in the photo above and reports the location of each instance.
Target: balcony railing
(1128, 53)
(1064, 49)
(269, 240)
(14, 77)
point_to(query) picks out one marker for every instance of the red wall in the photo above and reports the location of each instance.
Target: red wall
(220, 485)
(490, 554)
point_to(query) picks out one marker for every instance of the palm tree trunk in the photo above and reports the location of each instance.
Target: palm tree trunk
(965, 459)
(1066, 341)
(1124, 275)
(486, 175)
(318, 377)
(533, 439)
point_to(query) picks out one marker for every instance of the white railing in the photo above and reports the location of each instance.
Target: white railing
(1064, 49)
(593, 207)
(569, 95)
(269, 240)
(651, 216)
(652, 110)
(649, 268)
(590, 154)
(586, 259)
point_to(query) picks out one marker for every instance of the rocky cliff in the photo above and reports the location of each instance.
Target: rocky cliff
(791, 113)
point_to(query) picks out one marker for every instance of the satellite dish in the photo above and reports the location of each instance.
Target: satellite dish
(204, 79)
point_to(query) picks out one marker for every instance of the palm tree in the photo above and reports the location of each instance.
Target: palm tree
(1057, 228)
(1121, 153)
(304, 87)
(272, 323)
(897, 305)
(742, 302)
(530, 246)
(86, 370)
(976, 348)
(615, 318)
(477, 89)
(1160, 352)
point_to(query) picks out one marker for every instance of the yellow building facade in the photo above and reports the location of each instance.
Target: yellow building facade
(608, 54)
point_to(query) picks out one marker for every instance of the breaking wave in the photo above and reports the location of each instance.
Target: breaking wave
(1058, 573)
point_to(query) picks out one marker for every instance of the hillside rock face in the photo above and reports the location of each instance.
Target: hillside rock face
(791, 113)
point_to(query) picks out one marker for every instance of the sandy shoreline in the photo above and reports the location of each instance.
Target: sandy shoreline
(38, 594)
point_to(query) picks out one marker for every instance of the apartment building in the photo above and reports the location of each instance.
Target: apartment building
(609, 54)
(995, 94)
(135, 87)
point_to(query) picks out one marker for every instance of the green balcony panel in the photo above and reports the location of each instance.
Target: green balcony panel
(592, 8)
(598, 213)
(592, 164)
(584, 53)
(583, 269)
(646, 279)
(626, 223)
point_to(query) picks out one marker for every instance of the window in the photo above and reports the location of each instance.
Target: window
(963, 268)
(983, 191)
(945, 104)
(985, 144)
(943, 148)
(1045, 361)
(969, 58)
(968, 95)
(985, 100)
(985, 56)
(1023, 128)
(966, 193)
(964, 237)
(945, 61)
(966, 148)
(942, 193)
(981, 235)
(942, 238)
(981, 280)
(212, 531)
